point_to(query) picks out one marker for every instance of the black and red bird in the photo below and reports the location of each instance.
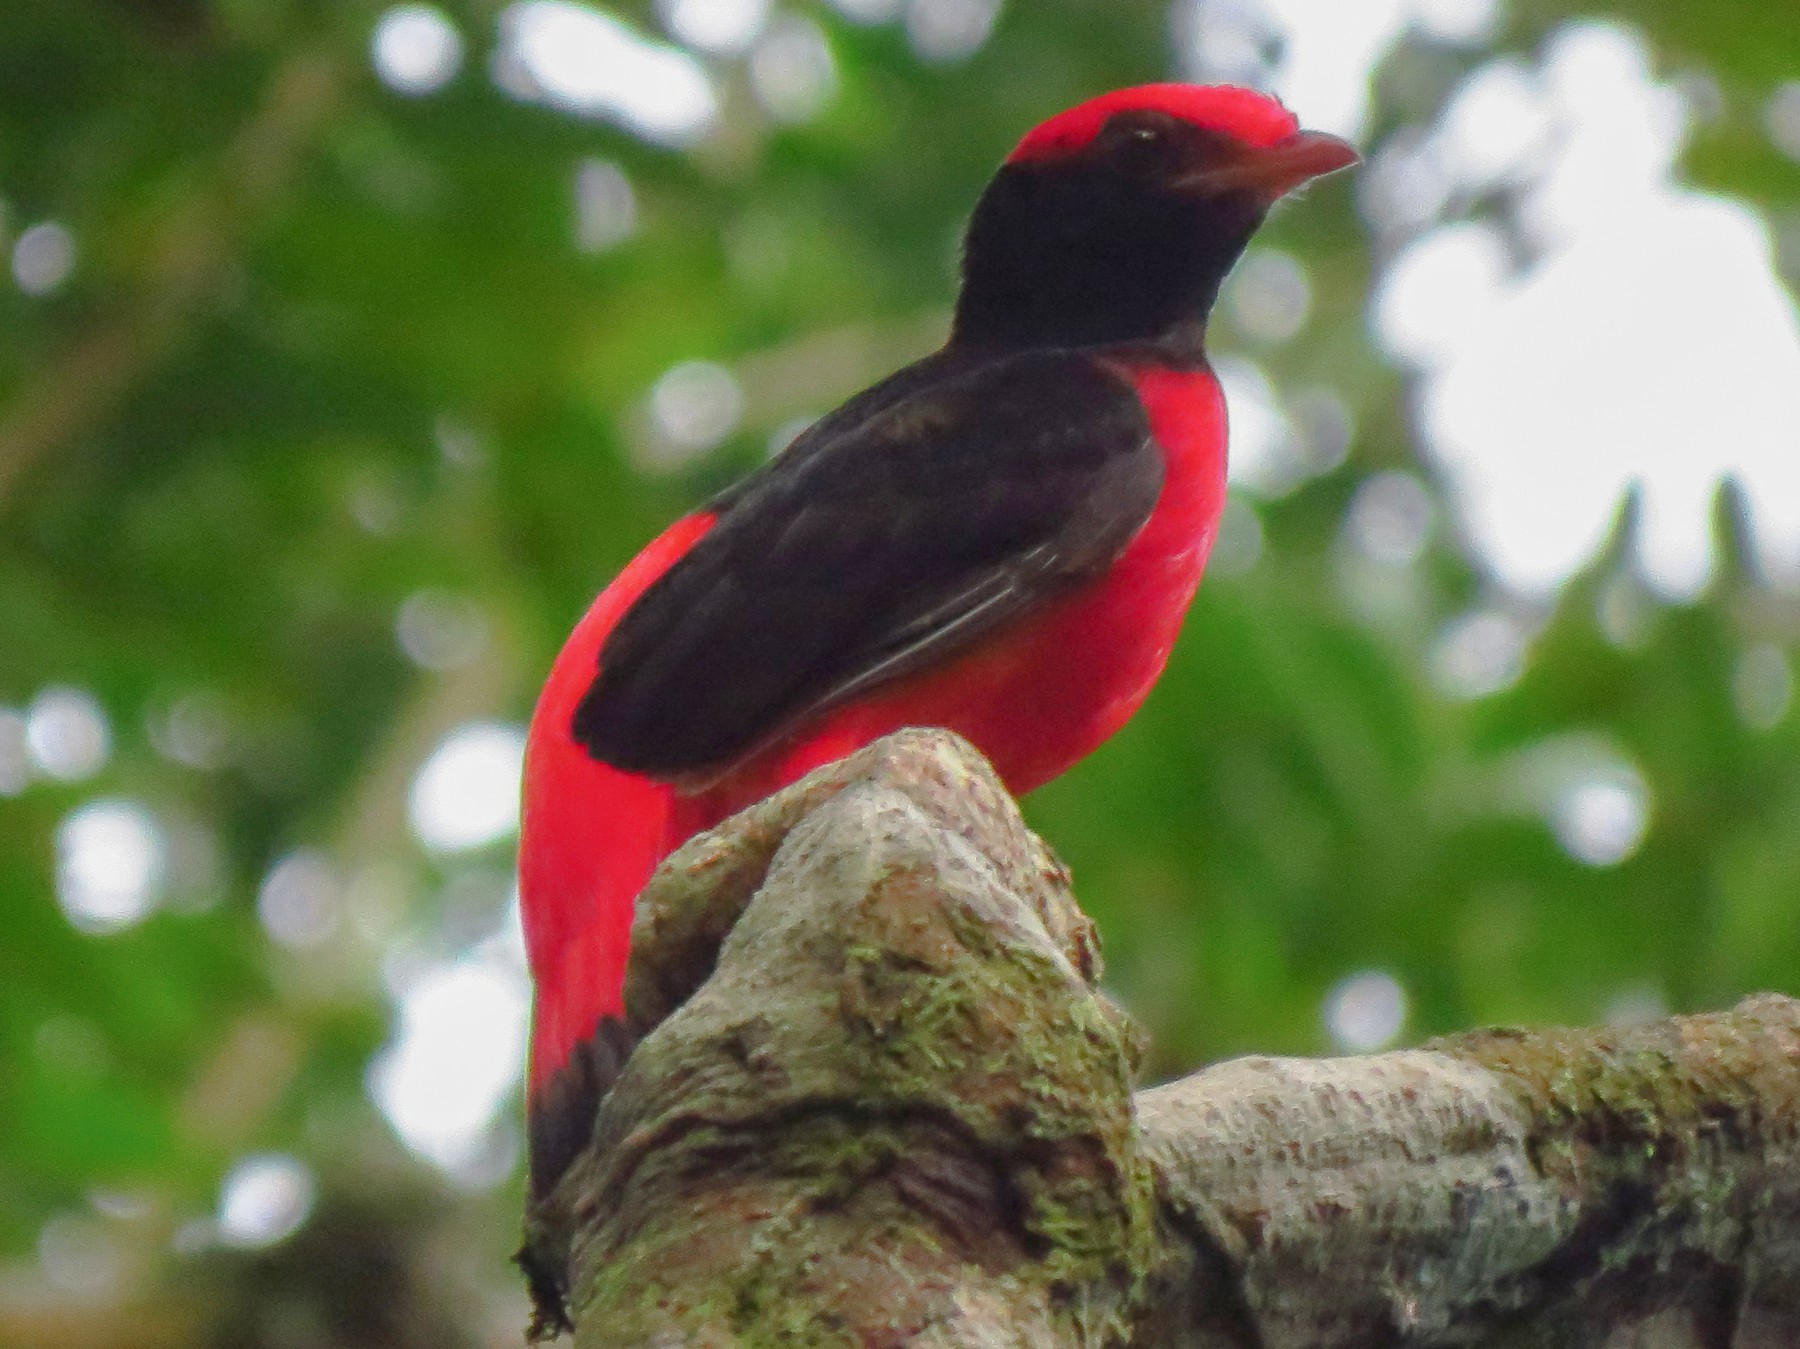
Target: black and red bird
(1001, 539)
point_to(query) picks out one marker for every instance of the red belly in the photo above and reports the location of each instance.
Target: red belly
(1046, 694)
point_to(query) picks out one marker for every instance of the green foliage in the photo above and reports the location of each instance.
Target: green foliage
(325, 346)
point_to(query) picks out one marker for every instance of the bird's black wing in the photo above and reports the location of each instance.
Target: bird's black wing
(933, 511)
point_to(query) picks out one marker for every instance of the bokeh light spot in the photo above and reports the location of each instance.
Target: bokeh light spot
(693, 407)
(1436, 292)
(1390, 518)
(1763, 686)
(441, 630)
(301, 900)
(42, 257)
(1496, 128)
(415, 49)
(1239, 544)
(1264, 456)
(868, 11)
(194, 731)
(1324, 428)
(111, 865)
(15, 752)
(605, 206)
(792, 70)
(1269, 296)
(80, 1257)
(456, 1058)
(582, 61)
(718, 27)
(950, 30)
(466, 794)
(265, 1199)
(1636, 1005)
(1478, 654)
(788, 432)
(1782, 117)
(1365, 1012)
(1600, 821)
(67, 734)
(1404, 184)
(1457, 21)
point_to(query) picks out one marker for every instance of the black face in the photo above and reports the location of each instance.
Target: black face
(1118, 241)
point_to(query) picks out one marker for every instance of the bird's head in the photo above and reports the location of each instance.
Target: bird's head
(1117, 219)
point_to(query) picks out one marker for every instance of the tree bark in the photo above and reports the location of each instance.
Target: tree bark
(879, 1101)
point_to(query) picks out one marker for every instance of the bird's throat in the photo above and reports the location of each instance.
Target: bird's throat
(1058, 258)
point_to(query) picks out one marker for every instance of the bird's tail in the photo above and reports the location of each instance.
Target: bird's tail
(590, 837)
(586, 855)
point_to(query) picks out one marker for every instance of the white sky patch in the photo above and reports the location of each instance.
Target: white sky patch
(415, 49)
(111, 865)
(1331, 48)
(457, 1057)
(582, 61)
(1496, 127)
(466, 794)
(1652, 343)
(1439, 291)
(718, 27)
(1456, 21)
(1317, 56)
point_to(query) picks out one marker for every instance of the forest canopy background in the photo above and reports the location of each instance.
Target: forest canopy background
(346, 350)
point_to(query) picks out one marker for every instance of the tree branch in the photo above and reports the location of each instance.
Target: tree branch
(898, 1112)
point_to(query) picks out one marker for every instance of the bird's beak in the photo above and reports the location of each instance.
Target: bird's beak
(1272, 171)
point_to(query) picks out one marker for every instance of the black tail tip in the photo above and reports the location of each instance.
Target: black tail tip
(549, 1298)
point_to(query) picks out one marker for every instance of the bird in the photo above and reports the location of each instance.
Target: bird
(1001, 539)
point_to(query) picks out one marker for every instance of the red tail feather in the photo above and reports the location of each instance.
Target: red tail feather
(591, 834)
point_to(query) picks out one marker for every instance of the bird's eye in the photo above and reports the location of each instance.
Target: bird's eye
(1138, 143)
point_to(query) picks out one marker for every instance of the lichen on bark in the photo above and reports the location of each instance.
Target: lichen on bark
(880, 1101)
(896, 1104)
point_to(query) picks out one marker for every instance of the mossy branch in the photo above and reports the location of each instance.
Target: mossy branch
(879, 1101)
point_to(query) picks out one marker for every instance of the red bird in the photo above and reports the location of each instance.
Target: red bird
(1001, 539)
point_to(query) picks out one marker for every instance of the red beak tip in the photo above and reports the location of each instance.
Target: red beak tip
(1323, 153)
